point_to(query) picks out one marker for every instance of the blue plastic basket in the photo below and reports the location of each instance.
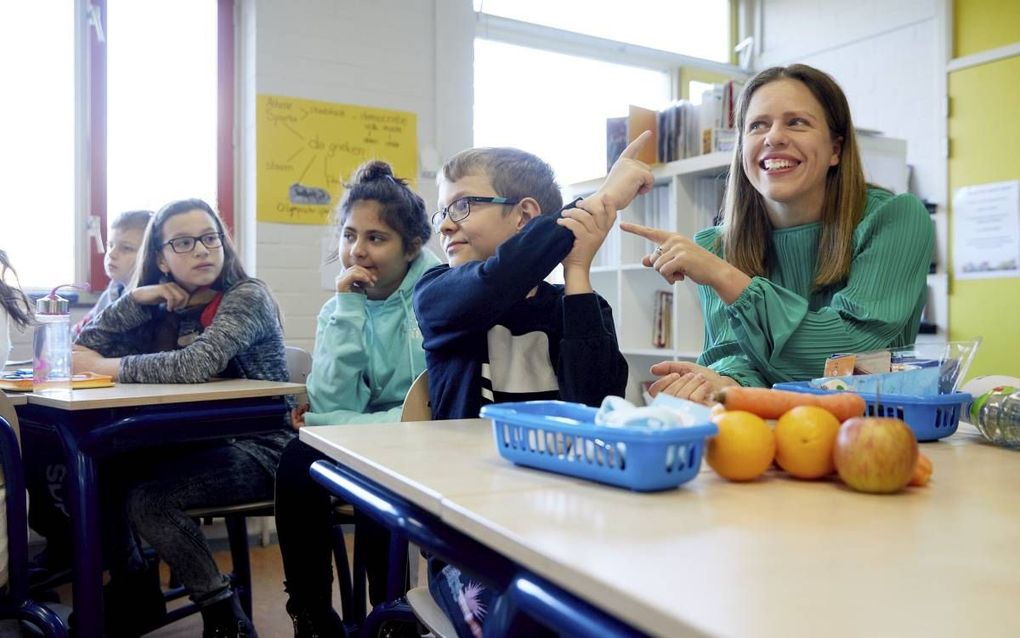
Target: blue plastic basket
(563, 437)
(931, 418)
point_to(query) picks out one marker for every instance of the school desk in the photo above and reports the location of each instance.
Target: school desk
(102, 422)
(16, 398)
(776, 557)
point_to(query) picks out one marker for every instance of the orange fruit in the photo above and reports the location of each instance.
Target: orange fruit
(744, 447)
(805, 439)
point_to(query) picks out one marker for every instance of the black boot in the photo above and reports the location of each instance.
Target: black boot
(315, 621)
(226, 619)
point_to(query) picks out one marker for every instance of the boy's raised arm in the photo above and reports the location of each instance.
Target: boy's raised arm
(470, 298)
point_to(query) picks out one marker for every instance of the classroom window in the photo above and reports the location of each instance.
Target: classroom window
(161, 103)
(37, 125)
(559, 114)
(123, 105)
(697, 28)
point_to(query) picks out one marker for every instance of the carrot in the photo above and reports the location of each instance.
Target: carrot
(772, 404)
(922, 471)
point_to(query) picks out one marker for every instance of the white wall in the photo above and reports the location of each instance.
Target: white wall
(409, 55)
(889, 57)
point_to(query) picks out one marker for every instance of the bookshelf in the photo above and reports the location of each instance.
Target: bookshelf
(686, 197)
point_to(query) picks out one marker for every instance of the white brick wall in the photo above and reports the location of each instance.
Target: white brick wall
(889, 57)
(410, 55)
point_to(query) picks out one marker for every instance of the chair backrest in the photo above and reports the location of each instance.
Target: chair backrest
(7, 411)
(299, 364)
(416, 403)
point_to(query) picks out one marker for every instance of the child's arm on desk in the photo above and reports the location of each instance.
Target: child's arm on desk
(86, 360)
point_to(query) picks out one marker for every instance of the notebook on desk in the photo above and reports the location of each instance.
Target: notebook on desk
(21, 380)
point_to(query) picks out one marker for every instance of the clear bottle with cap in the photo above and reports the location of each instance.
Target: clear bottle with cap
(996, 414)
(51, 344)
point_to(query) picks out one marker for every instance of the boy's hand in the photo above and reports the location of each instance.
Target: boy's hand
(590, 222)
(629, 177)
(354, 279)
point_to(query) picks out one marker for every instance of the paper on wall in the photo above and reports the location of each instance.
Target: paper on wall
(986, 231)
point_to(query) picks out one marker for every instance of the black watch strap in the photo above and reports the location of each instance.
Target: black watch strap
(572, 204)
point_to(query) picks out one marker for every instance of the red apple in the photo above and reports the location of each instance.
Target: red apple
(875, 454)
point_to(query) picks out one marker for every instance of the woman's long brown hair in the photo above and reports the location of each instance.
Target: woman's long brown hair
(746, 226)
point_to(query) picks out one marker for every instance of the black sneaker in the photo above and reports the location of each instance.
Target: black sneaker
(233, 629)
(321, 622)
(226, 619)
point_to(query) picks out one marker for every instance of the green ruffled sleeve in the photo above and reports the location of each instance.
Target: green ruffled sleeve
(786, 335)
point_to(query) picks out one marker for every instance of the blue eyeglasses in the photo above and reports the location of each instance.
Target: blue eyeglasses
(459, 209)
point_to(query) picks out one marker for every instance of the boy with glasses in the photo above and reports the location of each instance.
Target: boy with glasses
(493, 330)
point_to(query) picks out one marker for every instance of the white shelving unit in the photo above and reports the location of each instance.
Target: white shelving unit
(680, 190)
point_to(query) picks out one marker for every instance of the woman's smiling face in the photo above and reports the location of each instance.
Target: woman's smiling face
(788, 151)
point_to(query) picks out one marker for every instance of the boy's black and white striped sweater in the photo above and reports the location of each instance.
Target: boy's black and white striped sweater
(243, 341)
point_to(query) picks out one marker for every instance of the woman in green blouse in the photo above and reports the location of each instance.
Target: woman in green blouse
(809, 260)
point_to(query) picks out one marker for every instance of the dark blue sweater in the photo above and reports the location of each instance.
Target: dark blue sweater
(459, 308)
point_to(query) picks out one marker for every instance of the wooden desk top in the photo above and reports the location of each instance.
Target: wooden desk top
(769, 558)
(426, 460)
(16, 398)
(131, 394)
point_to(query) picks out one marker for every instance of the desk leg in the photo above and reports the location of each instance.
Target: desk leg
(87, 594)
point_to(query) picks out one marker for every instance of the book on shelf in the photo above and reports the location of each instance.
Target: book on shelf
(616, 139)
(640, 120)
(662, 319)
(681, 129)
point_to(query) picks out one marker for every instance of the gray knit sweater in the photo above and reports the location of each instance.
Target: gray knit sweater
(243, 341)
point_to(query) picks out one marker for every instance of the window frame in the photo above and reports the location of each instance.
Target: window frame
(536, 36)
(91, 165)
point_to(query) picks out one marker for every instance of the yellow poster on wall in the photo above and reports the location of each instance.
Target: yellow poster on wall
(305, 149)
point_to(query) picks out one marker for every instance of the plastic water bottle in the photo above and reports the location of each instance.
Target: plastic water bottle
(51, 344)
(997, 414)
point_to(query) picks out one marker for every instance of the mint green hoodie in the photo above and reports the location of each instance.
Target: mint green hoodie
(367, 354)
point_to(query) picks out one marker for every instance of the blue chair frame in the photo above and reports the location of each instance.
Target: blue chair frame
(15, 603)
(527, 598)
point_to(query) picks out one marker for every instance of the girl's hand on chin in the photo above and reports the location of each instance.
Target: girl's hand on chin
(170, 293)
(354, 279)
